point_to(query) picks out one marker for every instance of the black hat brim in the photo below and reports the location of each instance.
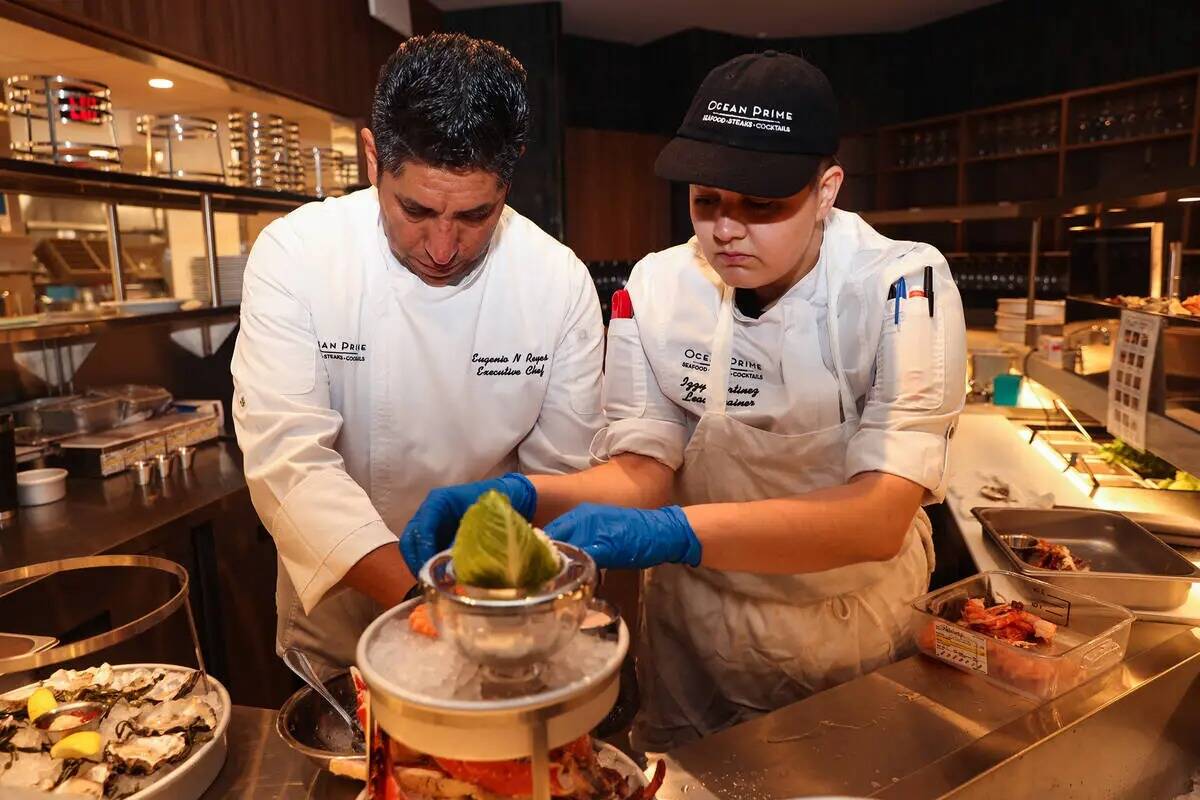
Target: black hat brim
(753, 172)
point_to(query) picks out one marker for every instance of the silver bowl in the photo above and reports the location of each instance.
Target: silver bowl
(309, 726)
(509, 632)
(86, 713)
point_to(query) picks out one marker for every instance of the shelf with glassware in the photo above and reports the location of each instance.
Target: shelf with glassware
(1042, 147)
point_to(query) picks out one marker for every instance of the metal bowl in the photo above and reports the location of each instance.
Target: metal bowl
(309, 726)
(87, 714)
(508, 631)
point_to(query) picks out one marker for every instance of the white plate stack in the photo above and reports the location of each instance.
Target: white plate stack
(229, 279)
(1010, 316)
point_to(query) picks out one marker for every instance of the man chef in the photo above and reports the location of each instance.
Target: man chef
(407, 336)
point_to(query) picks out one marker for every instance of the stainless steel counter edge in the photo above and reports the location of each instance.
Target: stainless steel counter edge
(920, 729)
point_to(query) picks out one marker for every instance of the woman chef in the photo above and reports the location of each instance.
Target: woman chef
(791, 379)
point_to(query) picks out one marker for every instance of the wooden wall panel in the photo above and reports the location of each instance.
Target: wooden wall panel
(616, 208)
(532, 32)
(325, 52)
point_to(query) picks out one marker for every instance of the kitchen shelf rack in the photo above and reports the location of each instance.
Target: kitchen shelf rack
(118, 188)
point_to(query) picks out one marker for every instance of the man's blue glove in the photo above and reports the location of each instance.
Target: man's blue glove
(628, 538)
(432, 528)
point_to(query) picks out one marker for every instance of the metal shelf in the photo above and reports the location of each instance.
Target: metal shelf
(1148, 192)
(1165, 438)
(75, 328)
(32, 177)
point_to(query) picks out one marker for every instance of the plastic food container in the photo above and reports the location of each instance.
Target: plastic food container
(1092, 634)
(37, 487)
(80, 415)
(144, 400)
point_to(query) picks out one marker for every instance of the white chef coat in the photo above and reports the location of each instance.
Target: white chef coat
(908, 379)
(358, 388)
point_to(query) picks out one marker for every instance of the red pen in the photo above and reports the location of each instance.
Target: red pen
(622, 305)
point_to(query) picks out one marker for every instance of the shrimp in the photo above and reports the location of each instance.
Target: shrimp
(421, 621)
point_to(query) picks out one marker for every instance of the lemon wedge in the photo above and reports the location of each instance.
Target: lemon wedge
(41, 701)
(85, 744)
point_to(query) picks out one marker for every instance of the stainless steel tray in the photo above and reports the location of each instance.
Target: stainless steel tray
(1129, 566)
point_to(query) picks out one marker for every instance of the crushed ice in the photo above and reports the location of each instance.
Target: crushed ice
(436, 668)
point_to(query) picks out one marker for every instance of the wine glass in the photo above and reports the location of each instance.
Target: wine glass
(904, 150)
(1182, 106)
(1105, 120)
(1153, 116)
(1004, 143)
(985, 137)
(1084, 130)
(1050, 128)
(1129, 116)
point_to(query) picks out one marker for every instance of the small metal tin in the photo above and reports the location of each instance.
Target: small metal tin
(87, 716)
(142, 471)
(163, 463)
(186, 454)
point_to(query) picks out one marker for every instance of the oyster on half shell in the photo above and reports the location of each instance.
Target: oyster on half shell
(142, 755)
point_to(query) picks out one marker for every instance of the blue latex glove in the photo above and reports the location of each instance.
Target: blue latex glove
(629, 538)
(432, 528)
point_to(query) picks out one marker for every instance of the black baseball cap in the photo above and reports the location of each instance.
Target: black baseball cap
(759, 125)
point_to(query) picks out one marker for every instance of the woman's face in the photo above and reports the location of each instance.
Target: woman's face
(764, 244)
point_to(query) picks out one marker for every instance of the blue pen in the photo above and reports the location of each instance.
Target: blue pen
(901, 291)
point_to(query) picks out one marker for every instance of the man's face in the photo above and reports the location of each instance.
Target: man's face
(762, 243)
(438, 222)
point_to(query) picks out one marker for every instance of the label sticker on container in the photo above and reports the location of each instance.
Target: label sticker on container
(960, 646)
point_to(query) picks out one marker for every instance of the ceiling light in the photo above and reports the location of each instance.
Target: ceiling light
(1117, 210)
(161, 83)
(1079, 228)
(99, 154)
(1195, 199)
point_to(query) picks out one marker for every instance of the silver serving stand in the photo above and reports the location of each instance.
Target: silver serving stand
(64, 105)
(118, 635)
(508, 724)
(181, 139)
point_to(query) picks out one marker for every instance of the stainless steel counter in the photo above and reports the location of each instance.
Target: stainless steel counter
(920, 729)
(914, 729)
(261, 767)
(101, 515)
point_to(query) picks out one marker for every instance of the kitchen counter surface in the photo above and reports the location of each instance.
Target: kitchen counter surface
(261, 767)
(101, 515)
(988, 444)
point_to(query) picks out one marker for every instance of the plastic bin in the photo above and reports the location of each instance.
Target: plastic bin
(80, 415)
(136, 401)
(1092, 634)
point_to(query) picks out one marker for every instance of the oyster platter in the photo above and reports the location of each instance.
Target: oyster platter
(137, 731)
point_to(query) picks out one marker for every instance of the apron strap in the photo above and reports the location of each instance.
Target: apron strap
(834, 289)
(718, 369)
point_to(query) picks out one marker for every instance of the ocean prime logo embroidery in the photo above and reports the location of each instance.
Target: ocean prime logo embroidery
(759, 118)
(335, 350)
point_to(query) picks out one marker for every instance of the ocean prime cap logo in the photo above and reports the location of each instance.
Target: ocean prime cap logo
(748, 116)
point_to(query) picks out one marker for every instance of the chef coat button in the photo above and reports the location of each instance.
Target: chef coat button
(242, 401)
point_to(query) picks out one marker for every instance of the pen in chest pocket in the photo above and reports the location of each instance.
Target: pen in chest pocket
(899, 291)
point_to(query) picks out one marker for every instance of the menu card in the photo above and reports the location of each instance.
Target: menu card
(1129, 377)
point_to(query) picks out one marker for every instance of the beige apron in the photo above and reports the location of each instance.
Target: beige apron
(717, 648)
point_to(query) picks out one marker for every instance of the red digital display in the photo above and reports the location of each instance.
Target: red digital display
(82, 108)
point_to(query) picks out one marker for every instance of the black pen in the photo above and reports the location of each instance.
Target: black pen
(929, 288)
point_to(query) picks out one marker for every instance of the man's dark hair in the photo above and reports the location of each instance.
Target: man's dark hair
(453, 102)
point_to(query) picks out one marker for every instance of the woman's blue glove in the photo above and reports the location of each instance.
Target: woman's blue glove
(628, 538)
(432, 528)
